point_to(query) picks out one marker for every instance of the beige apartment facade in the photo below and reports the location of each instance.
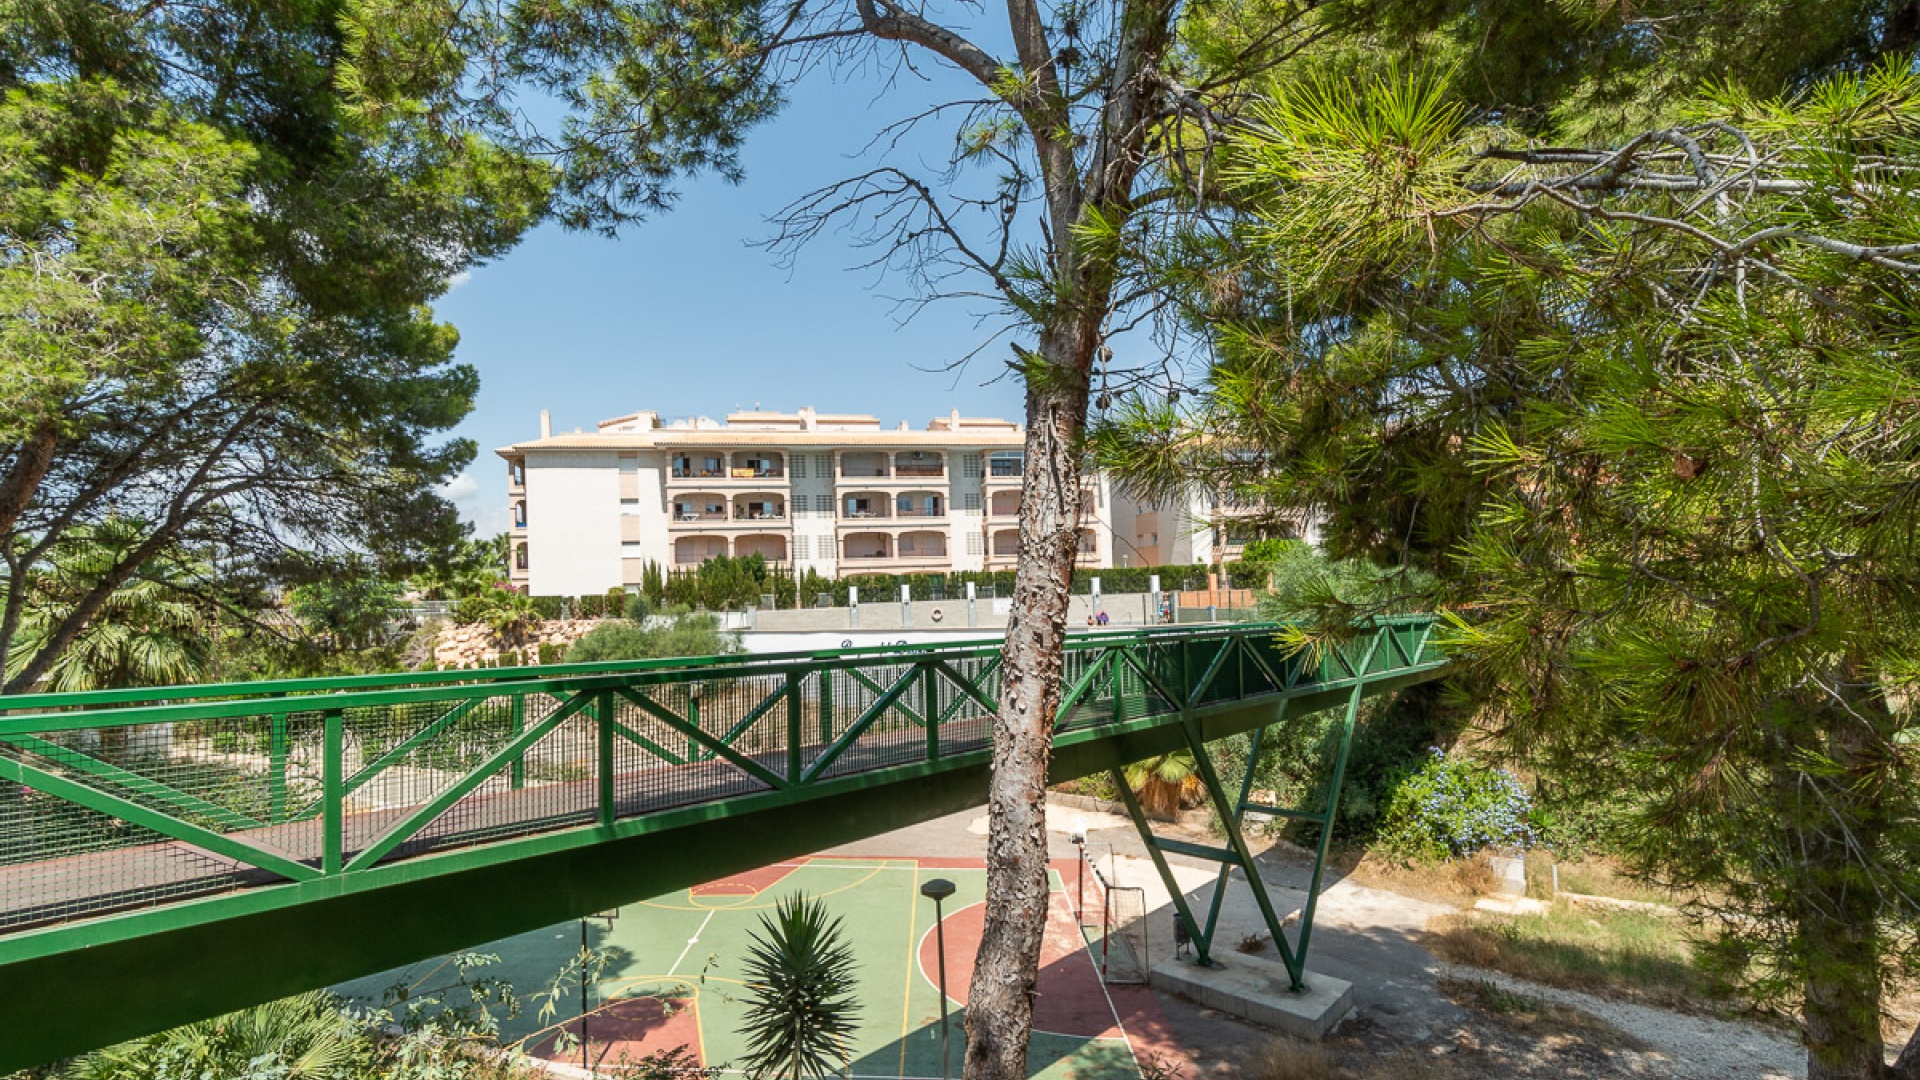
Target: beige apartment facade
(836, 493)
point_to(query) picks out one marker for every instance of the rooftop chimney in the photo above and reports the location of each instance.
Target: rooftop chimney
(546, 425)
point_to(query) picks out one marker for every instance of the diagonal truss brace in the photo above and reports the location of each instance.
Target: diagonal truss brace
(1232, 813)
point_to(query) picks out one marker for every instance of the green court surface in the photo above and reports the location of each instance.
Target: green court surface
(675, 975)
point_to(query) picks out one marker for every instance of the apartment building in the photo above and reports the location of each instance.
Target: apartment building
(839, 494)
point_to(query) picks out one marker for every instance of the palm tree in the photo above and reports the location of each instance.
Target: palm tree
(298, 1038)
(1165, 783)
(146, 634)
(800, 1003)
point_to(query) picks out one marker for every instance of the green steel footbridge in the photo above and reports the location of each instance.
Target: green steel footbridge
(167, 855)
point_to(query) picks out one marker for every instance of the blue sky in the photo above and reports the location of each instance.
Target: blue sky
(680, 315)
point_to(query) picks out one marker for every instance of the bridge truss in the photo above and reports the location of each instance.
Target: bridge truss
(170, 854)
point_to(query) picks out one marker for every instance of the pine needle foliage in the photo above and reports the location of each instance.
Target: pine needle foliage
(801, 1010)
(1652, 412)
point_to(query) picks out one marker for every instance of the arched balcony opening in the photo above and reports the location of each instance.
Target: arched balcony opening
(857, 505)
(865, 546)
(919, 463)
(760, 506)
(690, 550)
(705, 464)
(758, 465)
(771, 548)
(1005, 503)
(1006, 542)
(920, 504)
(859, 463)
(922, 545)
(699, 507)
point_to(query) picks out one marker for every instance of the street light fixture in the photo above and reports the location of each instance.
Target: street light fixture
(936, 890)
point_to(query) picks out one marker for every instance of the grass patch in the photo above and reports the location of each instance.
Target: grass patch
(1636, 955)
(1601, 877)
(1455, 881)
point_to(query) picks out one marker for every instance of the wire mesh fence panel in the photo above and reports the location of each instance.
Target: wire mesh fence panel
(1090, 708)
(966, 722)
(1124, 955)
(892, 703)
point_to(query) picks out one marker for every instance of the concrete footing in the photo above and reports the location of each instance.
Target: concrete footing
(1254, 988)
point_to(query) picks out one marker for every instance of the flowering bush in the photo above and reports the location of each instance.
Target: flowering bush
(1452, 806)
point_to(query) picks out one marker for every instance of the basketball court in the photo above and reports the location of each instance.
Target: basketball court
(674, 976)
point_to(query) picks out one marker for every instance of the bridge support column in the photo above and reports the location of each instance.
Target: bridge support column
(1237, 853)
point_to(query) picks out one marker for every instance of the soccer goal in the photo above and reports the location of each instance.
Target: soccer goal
(1115, 928)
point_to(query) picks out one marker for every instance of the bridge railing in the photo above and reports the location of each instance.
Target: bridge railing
(127, 799)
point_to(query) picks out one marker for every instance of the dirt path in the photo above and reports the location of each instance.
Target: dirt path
(1699, 1047)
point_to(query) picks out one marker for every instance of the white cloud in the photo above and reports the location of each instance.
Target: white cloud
(485, 508)
(459, 279)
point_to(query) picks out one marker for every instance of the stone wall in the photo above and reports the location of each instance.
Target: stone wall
(473, 644)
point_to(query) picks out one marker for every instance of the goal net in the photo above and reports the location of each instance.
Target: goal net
(1114, 923)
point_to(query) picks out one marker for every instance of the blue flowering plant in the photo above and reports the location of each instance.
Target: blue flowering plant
(1447, 807)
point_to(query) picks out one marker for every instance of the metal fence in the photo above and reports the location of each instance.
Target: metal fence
(124, 799)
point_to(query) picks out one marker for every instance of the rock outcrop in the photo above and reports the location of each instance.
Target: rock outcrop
(474, 645)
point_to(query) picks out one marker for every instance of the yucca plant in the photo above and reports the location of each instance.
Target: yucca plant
(800, 1004)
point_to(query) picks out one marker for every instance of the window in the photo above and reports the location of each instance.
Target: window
(520, 514)
(520, 557)
(1006, 462)
(970, 466)
(799, 466)
(824, 463)
(630, 507)
(974, 543)
(858, 506)
(970, 501)
(801, 547)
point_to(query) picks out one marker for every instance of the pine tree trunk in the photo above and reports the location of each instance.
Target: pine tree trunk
(1842, 1008)
(1000, 1001)
(1839, 913)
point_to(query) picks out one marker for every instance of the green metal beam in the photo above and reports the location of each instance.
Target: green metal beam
(147, 818)
(184, 802)
(198, 956)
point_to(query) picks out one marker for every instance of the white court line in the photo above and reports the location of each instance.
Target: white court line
(691, 941)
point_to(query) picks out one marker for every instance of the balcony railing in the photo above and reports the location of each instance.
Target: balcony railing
(760, 515)
(935, 469)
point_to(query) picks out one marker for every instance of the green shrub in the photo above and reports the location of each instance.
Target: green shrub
(636, 607)
(682, 635)
(1452, 806)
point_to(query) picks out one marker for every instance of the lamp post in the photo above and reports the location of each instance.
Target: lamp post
(1079, 837)
(938, 889)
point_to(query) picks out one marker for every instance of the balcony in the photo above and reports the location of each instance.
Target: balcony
(755, 466)
(864, 506)
(907, 466)
(920, 506)
(879, 551)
